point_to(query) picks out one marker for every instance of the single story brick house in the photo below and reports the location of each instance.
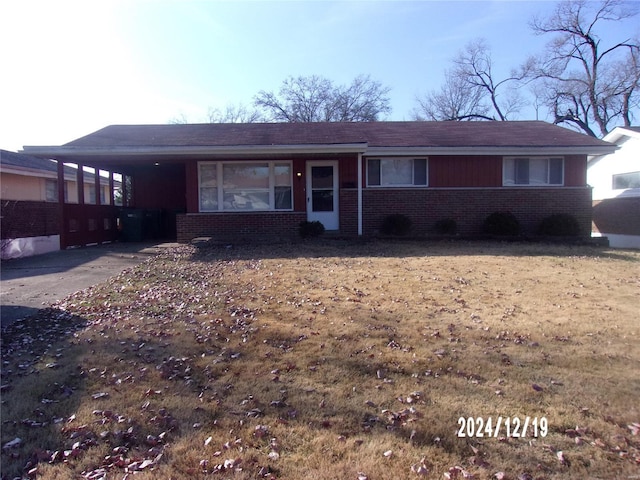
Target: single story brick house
(262, 180)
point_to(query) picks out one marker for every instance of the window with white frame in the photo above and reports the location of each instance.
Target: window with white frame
(533, 171)
(245, 186)
(623, 181)
(397, 172)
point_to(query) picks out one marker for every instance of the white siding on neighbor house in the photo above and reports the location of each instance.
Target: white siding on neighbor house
(600, 173)
(625, 160)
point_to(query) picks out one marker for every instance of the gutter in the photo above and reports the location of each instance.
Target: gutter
(483, 150)
(361, 148)
(192, 151)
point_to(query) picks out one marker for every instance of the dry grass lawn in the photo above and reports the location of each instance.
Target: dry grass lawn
(335, 361)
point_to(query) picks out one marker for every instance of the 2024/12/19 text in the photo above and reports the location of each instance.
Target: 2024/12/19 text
(510, 427)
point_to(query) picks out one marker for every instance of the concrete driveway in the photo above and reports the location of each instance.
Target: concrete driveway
(33, 283)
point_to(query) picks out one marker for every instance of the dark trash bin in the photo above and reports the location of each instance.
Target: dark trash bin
(131, 225)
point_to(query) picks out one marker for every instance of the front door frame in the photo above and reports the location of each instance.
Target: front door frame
(330, 220)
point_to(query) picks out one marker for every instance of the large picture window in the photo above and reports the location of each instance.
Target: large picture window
(245, 186)
(397, 172)
(533, 171)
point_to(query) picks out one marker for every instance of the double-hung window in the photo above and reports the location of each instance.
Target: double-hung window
(245, 186)
(533, 171)
(397, 172)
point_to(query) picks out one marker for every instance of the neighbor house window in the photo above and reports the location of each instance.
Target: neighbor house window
(51, 190)
(622, 181)
(397, 172)
(533, 171)
(91, 190)
(245, 186)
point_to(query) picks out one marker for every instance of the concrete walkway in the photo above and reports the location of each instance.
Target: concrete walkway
(33, 283)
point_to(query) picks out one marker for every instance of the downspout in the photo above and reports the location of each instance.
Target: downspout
(359, 194)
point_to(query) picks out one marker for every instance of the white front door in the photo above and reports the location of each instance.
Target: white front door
(322, 193)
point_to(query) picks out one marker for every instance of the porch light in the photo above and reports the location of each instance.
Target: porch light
(299, 174)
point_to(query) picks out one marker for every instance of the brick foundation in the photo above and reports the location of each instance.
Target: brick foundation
(234, 226)
(469, 207)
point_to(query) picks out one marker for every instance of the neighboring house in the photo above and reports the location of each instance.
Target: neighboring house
(29, 201)
(615, 179)
(262, 180)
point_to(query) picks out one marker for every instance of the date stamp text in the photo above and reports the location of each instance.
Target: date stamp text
(509, 427)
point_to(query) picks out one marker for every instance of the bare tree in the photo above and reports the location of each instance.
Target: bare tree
(587, 82)
(472, 91)
(231, 114)
(179, 120)
(234, 114)
(317, 99)
(475, 66)
(363, 101)
(454, 101)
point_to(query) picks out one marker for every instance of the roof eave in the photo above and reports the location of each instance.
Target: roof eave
(620, 132)
(486, 150)
(70, 152)
(27, 172)
(191, 151)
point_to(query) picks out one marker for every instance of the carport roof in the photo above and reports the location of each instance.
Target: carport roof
(370, 138)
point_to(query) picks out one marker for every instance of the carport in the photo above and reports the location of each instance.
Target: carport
(151, 193)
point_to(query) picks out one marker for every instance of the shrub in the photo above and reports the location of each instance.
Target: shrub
(561, 225)
(501, 223)
(396, 224)
(310, 229)
(447, 226)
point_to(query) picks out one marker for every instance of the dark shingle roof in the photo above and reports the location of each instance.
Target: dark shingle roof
(26, 161)
(376, 134)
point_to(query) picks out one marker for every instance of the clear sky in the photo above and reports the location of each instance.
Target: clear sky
(72, 67)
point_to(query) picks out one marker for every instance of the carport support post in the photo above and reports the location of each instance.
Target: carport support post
(80, 182)
(359, 194)
(111, 198)
(97, 186)
(63, 220)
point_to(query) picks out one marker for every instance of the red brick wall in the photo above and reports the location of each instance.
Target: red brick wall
(22, 219)
(462, 171)
(575, 170)
(458, 200)
(234, 226)
(349, 211)
(469, 207)
(162, 186)
(617, 215)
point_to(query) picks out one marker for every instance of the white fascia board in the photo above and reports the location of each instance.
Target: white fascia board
(619, 132)
(504, 151)
(191, 151)
(248, 150)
